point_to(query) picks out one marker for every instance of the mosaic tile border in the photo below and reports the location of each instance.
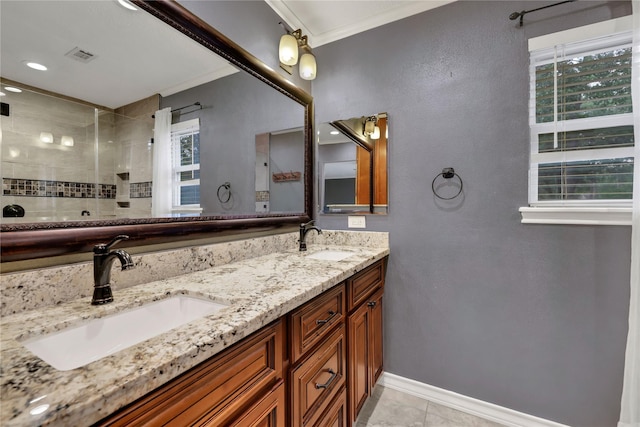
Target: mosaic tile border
(50, 188)
(140, 190)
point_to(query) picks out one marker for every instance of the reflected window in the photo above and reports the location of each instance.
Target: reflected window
(185, 141)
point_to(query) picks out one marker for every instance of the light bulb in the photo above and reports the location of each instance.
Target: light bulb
(288, 50)
(126, 4)
(308, 66)
(376, 133)
(67, 141)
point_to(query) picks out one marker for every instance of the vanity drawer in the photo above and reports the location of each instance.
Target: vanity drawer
(311, 322)
(317, 380)
(215, 391)
(363, 284)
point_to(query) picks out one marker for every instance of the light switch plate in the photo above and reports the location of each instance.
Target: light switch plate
(359, 221)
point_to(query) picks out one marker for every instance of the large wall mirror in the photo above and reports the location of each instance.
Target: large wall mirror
(81, 140)
(352, 165)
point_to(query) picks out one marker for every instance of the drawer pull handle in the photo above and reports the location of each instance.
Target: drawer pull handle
(327, 320)
(329, 381)
(371, 304)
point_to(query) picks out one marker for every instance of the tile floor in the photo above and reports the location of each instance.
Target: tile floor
(392, 408)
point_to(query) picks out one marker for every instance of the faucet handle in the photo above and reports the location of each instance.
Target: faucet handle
(308, 224)
(102, 248)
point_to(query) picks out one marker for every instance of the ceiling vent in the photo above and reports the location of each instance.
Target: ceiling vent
(80, 55)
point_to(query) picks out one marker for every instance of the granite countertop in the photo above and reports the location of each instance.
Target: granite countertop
(257, 291)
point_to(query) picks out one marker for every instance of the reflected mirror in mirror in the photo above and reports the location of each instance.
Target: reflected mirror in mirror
(279, 171)
(352, 164)
(79, 139)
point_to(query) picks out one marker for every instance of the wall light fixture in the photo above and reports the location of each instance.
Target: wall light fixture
(127, 4)
(370, 128)
(288, 52)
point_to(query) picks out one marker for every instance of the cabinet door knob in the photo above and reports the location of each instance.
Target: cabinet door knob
(327, 320)
(371, 304)
(329, 381)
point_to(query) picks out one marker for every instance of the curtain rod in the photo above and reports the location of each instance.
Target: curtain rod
(516, 15)
(195, 104)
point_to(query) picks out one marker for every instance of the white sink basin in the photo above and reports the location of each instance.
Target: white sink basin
(80, 345)
(329, 255)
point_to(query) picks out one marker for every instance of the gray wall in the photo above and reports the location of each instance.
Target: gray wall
(286, 154)
(530, 317)
(251, 24)
(235, 109)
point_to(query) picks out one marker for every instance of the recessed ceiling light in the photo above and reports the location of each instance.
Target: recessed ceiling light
(35, 66)
(12, 89)
(2, 94)
(127, 4)
(334, 132)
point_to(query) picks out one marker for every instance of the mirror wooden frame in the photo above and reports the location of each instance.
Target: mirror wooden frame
(37, 240)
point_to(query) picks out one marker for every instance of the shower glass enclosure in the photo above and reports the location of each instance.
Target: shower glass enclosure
(67, 161)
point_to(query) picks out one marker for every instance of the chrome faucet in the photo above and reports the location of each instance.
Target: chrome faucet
(103, 259)
(304, 229)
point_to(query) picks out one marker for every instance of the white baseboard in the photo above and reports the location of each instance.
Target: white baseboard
(467, 404)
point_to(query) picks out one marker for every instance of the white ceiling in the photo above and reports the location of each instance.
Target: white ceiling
(138, 56)
(325, 21)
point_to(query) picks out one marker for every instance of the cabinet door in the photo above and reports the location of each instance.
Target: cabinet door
(358, 359)
(375, 337)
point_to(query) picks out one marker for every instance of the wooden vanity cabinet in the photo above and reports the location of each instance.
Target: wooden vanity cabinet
(270, 411)
(314, 367)
(318, 355)
(364, 334)
(244, 385)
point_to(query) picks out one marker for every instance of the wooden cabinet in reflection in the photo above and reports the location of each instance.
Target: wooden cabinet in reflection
(376, 159)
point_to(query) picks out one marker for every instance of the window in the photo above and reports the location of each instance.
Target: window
(185, 146)
(581, 121)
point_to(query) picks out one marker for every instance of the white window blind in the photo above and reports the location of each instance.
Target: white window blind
(185, 142)
(581, 124)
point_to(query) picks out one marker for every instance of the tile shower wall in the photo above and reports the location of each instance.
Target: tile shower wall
(53, 182)
(26, 157)
(134, 130)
